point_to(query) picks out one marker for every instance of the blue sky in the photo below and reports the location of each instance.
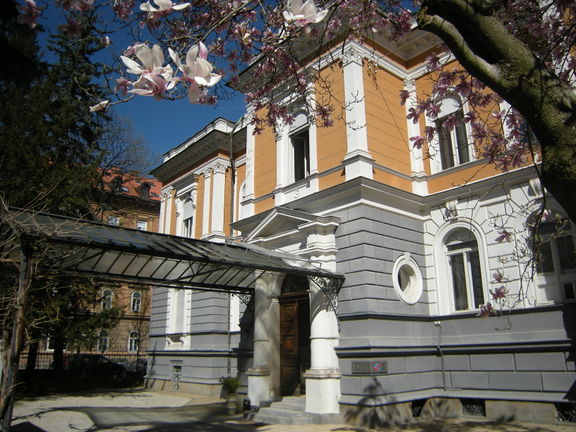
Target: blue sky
(163, 124)
(166, 124)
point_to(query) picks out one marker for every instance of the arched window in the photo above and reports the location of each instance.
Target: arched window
(555, 255)
(103, 341)
(106, 302)
(452, 139)
(133, 341)
(464, 269)
(136, 302)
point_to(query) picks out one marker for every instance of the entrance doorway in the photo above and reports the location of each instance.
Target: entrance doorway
(294, 335)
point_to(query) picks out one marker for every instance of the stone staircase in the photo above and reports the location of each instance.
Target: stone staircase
(291, 410)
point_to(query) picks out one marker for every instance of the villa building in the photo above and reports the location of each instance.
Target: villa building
(422, 239)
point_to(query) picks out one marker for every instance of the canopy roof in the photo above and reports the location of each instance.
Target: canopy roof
(82, 248)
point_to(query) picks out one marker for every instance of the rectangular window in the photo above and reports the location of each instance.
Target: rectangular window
(142, 225)
(301, 154)
(114, 220)
(453, 144)
(187, 227)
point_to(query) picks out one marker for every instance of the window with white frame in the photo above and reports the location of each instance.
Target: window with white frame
(133, 341)
(142, 225)
(452, 144)
(106, 301)
(136, 301)
(114, 220)
(555, 256)
(188, 227)
(300, 146)
(407, 279)
(103, 341)
(464, 269)
(297, 150)
(188, 208)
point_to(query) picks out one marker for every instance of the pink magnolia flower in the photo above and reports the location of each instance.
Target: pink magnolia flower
(123, 8)
(76, 5)
(503, 235)
(497, 276)
(122, 86)
(498, 293)
(164, 8)
(417, 141)
(197, 71)
(153, 84)
(29, 14)
(404, 96)
(486, 310)
(303, 13)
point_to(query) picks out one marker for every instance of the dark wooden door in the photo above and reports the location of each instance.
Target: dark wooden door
(294, 342)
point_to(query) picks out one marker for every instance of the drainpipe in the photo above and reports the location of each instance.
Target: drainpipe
(441, 354)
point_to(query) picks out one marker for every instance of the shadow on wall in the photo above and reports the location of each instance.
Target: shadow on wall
(377, 409)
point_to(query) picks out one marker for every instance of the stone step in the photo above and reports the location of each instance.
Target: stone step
(291, 410)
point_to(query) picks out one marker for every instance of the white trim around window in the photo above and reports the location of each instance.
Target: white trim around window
(461, 265)
(456, 154)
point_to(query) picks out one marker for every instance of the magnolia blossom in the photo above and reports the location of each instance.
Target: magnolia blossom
(197, 71)
(29, 14)
(155, 79)
(100, 106)
(164, 8)
(76, 5)
(151, 84)
(303, 13)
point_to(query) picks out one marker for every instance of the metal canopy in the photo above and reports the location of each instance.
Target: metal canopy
(83, 248)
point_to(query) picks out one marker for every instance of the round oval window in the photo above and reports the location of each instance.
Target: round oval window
(407, 279)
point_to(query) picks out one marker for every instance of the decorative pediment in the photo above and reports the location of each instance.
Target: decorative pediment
(295, 231)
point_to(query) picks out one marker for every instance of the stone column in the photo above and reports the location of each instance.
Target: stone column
(358, 161)
(218, 198)
(323, 377)
(263, 377)
(207, 201)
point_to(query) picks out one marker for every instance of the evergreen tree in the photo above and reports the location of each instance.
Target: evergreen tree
(49, 137)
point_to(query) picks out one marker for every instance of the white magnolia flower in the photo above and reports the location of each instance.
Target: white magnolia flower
(197, 71)
(155, 78)
(303, 13)
(100, 106)
(164, 7)
(151, 59)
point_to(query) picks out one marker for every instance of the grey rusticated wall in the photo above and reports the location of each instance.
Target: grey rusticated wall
(206, 360)
(528, 355)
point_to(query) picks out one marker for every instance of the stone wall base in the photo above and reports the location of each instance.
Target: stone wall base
(374, 416)
(496, 410)
(532, 412)
(184, 387)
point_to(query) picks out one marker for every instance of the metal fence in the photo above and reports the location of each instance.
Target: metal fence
(131, 361)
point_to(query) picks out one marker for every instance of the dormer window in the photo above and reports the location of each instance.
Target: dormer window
(144, 190)
(116, 184)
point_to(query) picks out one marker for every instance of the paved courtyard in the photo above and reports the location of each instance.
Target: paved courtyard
(142, 410)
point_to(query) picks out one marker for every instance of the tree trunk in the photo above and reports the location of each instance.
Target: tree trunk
(12, 352)
(485, 48)
(33, 346)
(58, 355)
